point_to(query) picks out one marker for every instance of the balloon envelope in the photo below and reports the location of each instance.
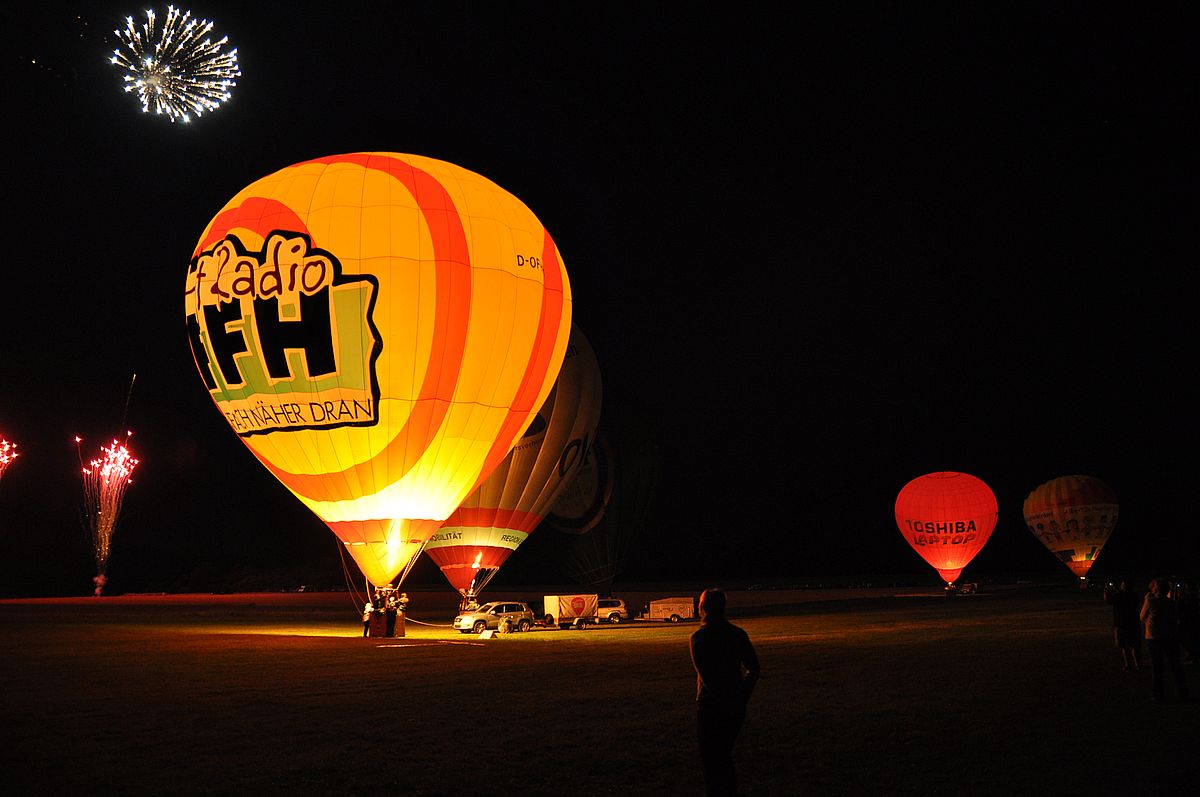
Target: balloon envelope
(378, 329)
(1073, 516)
(600, 532)
(946, 517)
(505, 509)
(581, 504)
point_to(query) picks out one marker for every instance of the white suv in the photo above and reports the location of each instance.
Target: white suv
(611, 610)
(491, 615)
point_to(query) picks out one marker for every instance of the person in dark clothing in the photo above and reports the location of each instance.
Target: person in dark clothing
(1188, 604)
(1162, 638)
(1127, 628)
(389, 614)
(726, 671)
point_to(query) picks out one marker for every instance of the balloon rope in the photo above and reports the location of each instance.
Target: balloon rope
(408, 567)
(408, 619)
(358, 602)
(483, 582)
(403, 576)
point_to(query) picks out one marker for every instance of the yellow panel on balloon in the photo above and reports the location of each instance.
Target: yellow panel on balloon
(379, 329)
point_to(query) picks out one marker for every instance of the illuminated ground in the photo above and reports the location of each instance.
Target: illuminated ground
(1011, 691)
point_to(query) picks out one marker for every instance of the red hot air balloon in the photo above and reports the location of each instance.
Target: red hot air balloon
(1073, 516)
(947, 518)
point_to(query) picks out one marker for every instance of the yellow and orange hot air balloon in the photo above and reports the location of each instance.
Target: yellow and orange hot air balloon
(494, 520)
(1073, 516)
(379, 329)
(947, 517)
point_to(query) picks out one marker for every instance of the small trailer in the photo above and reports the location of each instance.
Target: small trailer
(672, 610)
(570, 610)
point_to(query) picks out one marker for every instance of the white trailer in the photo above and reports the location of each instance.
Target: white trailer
(567, 610)
(672, 610)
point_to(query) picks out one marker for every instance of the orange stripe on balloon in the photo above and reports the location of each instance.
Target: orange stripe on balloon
(484, 518)
(376, 531)
(256, 214)
(452, 305)
(539, 364)
(351, 531)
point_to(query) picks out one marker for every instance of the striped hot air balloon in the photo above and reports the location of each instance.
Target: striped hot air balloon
(1073, 516)
(379, 329)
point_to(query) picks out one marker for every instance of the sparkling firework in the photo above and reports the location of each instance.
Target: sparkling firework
(8, 452)
(176, 68)
(105, 479)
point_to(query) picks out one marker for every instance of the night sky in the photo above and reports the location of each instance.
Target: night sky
(817, 256)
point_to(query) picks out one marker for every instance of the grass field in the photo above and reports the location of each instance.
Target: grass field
(1013, 691)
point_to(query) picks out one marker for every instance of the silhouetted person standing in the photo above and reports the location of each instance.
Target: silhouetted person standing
(1162, 637)
(726, 672)
(1127, 628)
(389, 614)
(1189, 622)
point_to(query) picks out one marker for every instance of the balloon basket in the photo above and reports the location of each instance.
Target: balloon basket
(387, 619)
(469, 601)
(378, 625)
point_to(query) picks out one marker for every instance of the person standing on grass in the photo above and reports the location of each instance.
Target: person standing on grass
(389, 615)
(1189, 622)
(1162, 638)
(1127, 628)
(726, 671)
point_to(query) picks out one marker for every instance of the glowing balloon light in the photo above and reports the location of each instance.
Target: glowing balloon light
(8, 453)
(379, 329)
(495, 519)
(1073, 516)
(947, 518)
(105, 480)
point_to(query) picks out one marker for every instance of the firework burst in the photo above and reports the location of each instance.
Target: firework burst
(175, 68)
(8, 452)
(105, 480)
